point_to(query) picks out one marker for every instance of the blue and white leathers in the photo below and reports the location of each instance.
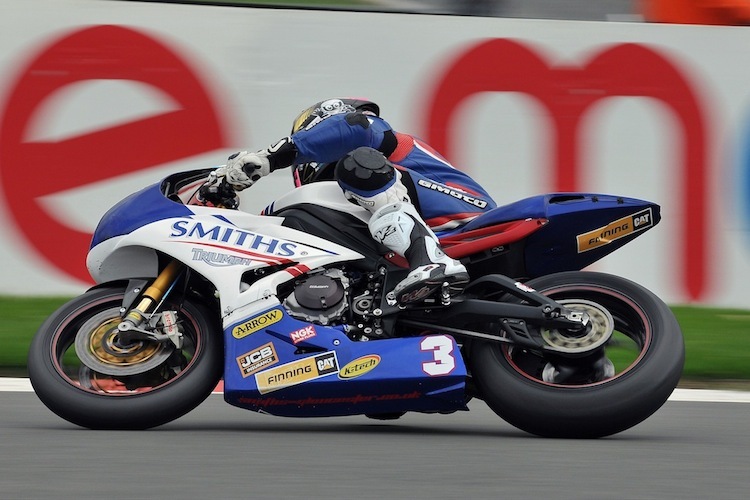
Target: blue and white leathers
(445, 196)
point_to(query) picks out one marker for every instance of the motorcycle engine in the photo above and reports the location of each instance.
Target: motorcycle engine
(320, 298)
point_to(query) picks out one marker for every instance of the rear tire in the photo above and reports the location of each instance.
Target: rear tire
(514, 384)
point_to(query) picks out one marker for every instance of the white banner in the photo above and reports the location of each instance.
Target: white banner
(99, 98)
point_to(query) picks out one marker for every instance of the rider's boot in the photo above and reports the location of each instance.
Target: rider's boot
(400, 228)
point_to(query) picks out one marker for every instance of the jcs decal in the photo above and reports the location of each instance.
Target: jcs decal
(255, 360)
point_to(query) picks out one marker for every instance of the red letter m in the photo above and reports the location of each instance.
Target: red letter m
(567, 93)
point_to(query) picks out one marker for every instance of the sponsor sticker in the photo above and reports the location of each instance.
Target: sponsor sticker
(302, 334)
(359, 366)
(455, 193)
(233, 237)
(218, 259)
(257, 323)
(615, 230)
(297, 372)
(255, 360)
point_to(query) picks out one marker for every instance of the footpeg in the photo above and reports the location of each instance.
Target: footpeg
(445, 294)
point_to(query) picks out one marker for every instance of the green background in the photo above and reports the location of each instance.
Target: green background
(717, 342)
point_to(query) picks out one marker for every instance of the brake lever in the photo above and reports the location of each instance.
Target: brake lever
(217, 193)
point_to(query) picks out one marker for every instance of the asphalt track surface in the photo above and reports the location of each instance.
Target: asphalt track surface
(686, 450)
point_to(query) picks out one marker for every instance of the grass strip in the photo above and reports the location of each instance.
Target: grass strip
(717, 341)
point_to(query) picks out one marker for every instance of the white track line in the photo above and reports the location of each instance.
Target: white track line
(691, 395)
(710, 396)
(15, 385)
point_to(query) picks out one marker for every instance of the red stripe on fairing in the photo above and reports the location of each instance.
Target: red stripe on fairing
(297, 270)
(445, 219)
(464, 244)
(257, 256)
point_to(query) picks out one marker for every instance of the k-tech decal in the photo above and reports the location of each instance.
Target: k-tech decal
(359, 366)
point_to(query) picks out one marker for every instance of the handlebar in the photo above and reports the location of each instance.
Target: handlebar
(218, 193)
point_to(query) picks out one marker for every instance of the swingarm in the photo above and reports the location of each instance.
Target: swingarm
(520, 322)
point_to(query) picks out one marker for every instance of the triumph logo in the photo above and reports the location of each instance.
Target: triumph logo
(219, 259)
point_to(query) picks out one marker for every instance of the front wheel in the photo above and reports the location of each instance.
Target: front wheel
(80, 370)
(617, 386)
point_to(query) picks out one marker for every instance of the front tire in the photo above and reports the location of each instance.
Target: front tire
(522, 388)
(152, 397)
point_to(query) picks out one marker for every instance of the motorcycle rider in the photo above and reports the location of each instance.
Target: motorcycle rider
(410, 190)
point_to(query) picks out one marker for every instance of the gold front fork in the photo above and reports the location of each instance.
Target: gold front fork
(154, 294)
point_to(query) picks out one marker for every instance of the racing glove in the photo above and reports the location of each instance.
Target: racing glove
(244, 169)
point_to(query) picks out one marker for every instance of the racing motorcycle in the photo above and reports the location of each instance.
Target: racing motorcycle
(291, 312)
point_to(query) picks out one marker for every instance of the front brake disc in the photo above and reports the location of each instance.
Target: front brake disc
(98, 346)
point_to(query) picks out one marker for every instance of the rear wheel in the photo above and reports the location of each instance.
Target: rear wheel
(609, 380)
(84, 373)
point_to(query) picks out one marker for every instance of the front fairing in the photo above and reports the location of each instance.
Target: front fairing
(230, 248)
(139, 209)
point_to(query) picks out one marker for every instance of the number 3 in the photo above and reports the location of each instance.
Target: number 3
(442, 349)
